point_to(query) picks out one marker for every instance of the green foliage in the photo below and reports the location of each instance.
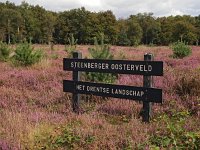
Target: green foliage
(123, 39)
(62, 137)
(19, 23)
(174, 136)
(101, 51)
(107, 25)
(180, 49)
(25, 55)
(89, 139)
(134, 32)
(72, 45)
(10, 22)
(66, 139)
(150, 27)
(185, 30)
(4, 51)
(122, 36)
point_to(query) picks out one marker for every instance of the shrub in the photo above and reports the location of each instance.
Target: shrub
(25, 55)
(72, 45)
(123, 39)
(61, 137)
(180, 49)
(174, 135)
(4, 51)
(101, 51)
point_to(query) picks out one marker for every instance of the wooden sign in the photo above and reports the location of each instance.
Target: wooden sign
(114, 66)
(146, 94)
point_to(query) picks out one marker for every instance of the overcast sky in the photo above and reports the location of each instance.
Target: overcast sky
(123, 8)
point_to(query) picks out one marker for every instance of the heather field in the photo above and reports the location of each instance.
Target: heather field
(36, 114)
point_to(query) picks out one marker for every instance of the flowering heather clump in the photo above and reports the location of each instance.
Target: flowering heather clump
(188, 83)
(35, 113)
(121, 108)
(187, 87)
(6, 146)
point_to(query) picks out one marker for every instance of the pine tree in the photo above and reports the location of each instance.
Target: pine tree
(100, 51)
(72, 45)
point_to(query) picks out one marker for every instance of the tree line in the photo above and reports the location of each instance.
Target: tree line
(35, 24)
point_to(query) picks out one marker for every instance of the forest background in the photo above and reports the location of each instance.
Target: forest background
(35, 24)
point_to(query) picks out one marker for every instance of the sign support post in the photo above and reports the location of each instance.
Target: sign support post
(76, 77)
(148, 83)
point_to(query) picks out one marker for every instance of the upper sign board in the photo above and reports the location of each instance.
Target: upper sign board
(147, 68)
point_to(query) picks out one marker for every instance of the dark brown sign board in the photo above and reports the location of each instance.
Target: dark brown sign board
(114, 66)
(116, 91)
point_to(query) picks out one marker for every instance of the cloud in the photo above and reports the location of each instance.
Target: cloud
(123, 8)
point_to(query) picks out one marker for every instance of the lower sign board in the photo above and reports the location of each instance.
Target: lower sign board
(116, 91)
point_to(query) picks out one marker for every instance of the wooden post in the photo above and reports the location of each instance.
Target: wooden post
(76, 77)
(147, 82)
